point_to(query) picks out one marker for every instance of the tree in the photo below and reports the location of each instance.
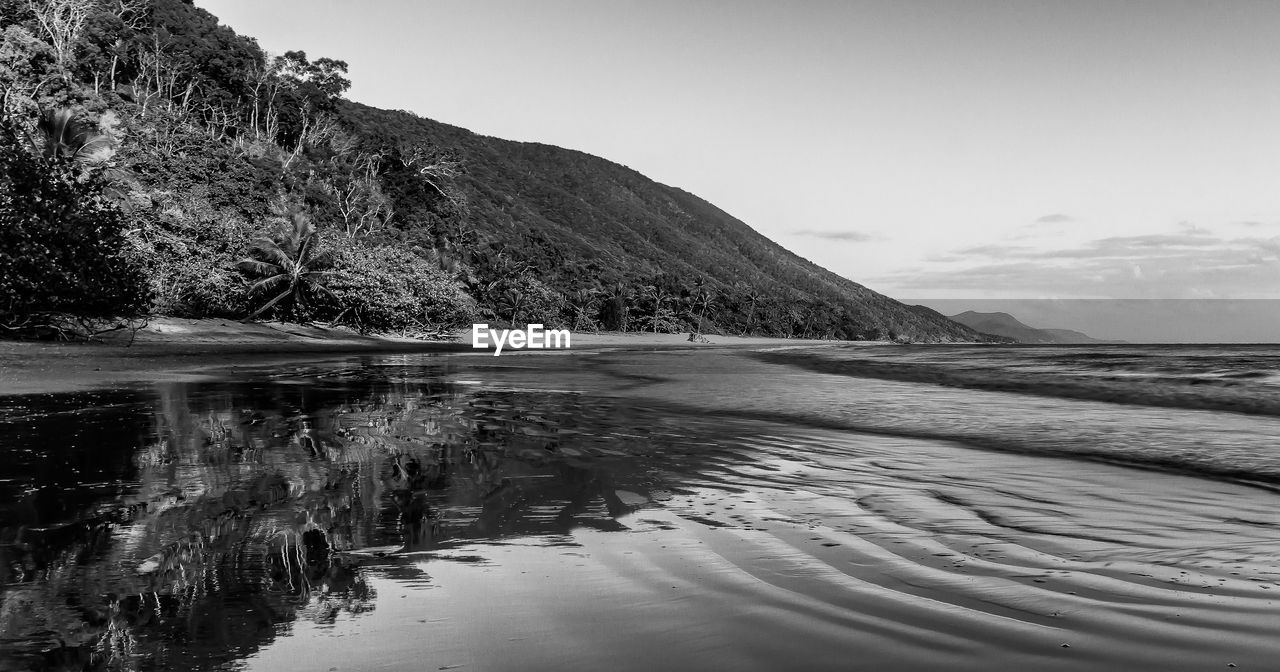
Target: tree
(382, 288)
(189, 248)
(752, 297)
(432, 166)
(61, 21)
(702, 300)
(357, 194)
(61, 242)
(615, 311)
(659, 316)
(584, 302)
(192, 52)
(65, 137)
(290, 265)
(106, 51)
(28, 70)
(509, 302)
(306, 98)
(319, 83)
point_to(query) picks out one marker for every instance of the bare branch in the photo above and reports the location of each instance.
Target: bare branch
(62, 21)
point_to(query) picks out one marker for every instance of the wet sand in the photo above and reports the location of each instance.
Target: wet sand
(680, 509)
(803, 546)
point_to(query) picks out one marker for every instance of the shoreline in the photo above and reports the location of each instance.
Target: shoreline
(180, 349)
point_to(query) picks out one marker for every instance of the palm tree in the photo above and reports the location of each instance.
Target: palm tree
(658, 294)
(291, 264)
(65, 138)
(509, 302)
(584, 301)
(617, 303)
(753, 296)
(703, 300)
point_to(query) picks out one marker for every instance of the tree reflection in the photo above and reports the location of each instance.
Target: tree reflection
(241, 508)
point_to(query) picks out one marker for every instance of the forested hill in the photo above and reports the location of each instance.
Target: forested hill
(580, 220)
(154, 162)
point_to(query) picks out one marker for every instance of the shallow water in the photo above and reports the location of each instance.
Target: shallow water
(1236, 378)
(671, 510)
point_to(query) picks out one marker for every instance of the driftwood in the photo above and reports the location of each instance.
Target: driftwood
(64, 327)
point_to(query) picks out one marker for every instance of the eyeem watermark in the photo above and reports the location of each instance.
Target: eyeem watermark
(535, 337)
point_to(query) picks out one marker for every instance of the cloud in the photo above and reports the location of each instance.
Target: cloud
(1193, 263)
(1130, 247)
(993, 251)
(1055, 218)
(1109, 248)
(846, 236)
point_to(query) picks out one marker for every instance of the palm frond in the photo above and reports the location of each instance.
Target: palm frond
(257, 267)
(267, 282)
(273, 253)
(64, 137)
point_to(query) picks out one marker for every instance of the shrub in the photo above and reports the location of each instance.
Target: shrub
(61, 242)
(537, 303)
(189, 250)
(381, 288)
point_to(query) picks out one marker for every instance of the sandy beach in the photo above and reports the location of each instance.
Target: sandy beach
(177, 349)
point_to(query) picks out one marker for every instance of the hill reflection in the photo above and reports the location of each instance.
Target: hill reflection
(187, 529)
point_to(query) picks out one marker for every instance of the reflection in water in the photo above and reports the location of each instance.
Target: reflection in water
(187, 538)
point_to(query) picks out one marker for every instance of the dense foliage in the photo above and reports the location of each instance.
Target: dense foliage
(382, 288)
(61, 243)
(252, 188)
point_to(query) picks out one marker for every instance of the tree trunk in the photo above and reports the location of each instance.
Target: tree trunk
(270, 303)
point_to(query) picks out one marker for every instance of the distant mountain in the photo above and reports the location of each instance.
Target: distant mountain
(1004, 324)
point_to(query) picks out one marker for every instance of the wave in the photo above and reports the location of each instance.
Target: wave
(1236, 392)
(1191, 438)
(1264, 476)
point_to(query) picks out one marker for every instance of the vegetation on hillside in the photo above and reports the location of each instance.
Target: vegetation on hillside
(155, 162)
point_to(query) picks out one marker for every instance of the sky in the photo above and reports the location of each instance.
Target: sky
(949, 149)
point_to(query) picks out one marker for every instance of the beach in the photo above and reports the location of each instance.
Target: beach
(178, 349)
(637, 505)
